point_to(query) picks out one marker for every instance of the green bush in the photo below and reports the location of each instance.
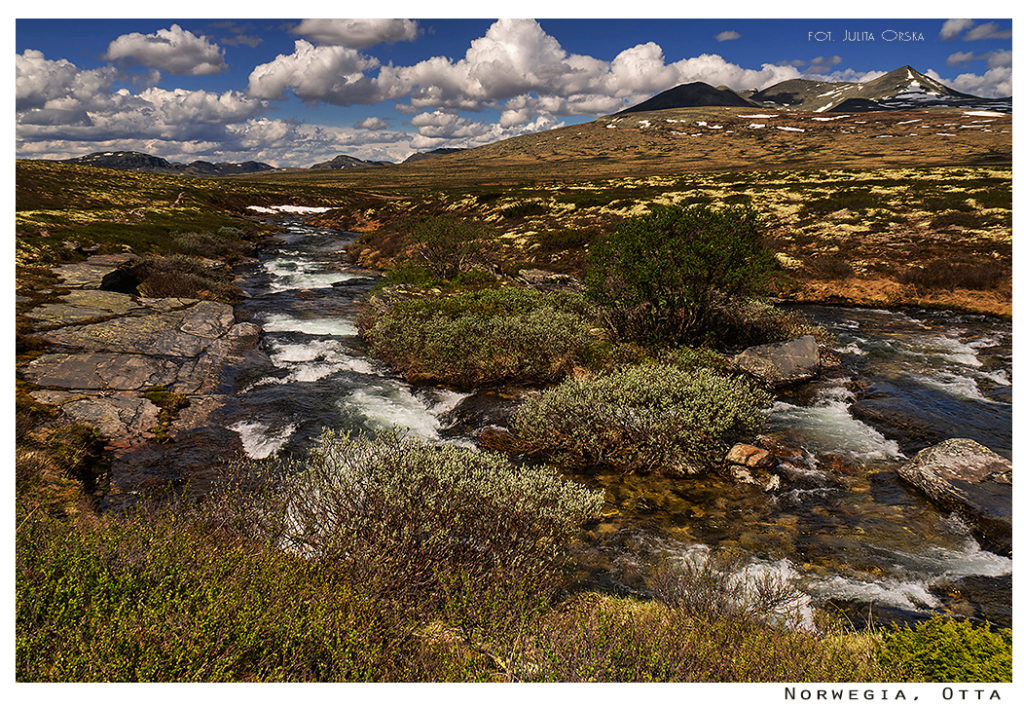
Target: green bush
(646, 418)
(449, 245)
(944, 650)
(413, 519)
(507, 334)
(666, 277)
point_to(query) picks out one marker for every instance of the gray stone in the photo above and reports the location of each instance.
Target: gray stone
(83, 305)
(120, 418)
(100, 371)
(780, 364)
(90, 274)
(963, 476)
(184, 333)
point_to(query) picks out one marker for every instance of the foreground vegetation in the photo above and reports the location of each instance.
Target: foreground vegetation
(307, 572)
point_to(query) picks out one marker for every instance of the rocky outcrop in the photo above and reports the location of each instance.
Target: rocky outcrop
(970, 479)
(753, 465)
(781, 364)
(109, 349)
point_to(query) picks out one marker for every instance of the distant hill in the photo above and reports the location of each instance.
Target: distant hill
(344, 161)
(690, 95)
(141, 162)
(432, 153)
(904, 88)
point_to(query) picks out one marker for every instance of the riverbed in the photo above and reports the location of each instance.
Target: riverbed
(844, 529)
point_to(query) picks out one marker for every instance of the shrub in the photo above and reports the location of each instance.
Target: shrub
(602, 639)
(448, 245)
(944, 650)
(647, 417)
(492, 335)
(435, 521)
(691, 359)
(667, 276)
(175, 276)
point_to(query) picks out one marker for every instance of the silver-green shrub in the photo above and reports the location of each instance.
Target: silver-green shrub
(641, 418)
(409, 517)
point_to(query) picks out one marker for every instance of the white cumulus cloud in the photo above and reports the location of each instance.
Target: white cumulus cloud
(357, 33)
(174, 50)
(727, 35)
(951, 29)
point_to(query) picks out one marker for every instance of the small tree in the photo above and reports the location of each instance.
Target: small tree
(666, 277)
(449, 246)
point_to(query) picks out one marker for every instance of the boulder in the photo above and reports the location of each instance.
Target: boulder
(970, 479)
(780, 364)
(750, 456)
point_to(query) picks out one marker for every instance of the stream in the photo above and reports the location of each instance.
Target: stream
(844, 530)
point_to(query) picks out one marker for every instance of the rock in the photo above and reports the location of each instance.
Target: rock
(183, 333)
(119, 418)
(963, 476)
(750, 456)
(90, 274)
(100, 371)
(780, 364)
(82, 305)
(767, 482)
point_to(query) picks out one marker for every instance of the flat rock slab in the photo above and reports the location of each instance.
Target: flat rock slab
(780, 364)
(82, 305)
(90, 273)
(184, 333)
(120, 418)
(963, 476)
(100, 371)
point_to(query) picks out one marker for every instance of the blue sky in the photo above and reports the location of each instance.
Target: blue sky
(293, 92)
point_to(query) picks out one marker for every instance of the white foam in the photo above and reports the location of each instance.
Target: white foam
(830, 428)
(261, 441)
(392, 404)
(299, 274)
(313, 326)
(910, 595)
(954, 385)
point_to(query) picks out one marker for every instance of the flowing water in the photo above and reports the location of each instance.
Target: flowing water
(844, 529)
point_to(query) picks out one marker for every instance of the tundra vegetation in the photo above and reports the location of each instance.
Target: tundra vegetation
(289, 571)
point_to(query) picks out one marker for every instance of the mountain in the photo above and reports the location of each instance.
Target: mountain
(432, 153)
(690, 95)
(141, 162)
(344, 161)
(134, 161)
(798, 93)
(904, 88)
